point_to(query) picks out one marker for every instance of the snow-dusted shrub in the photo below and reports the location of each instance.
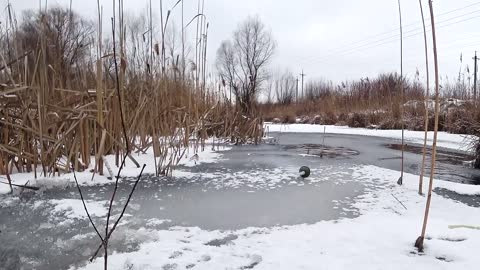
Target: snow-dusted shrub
(289, 118)
(357, 120)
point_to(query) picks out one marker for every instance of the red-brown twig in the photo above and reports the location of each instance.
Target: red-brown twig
(85, 206)
(121, 215)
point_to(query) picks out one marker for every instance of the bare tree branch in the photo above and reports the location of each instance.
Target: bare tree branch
(121, 215)
(242, 61)
(85, 206)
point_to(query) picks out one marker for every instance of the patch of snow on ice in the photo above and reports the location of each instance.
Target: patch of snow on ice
(73, 208)
(264, 178)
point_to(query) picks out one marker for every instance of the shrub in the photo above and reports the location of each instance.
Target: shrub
(357, 120)
(441, 122)
(289, 118)
(415, 123)
(390, 123)
(317, 120)
(459, 121)
(376, 117)
(342, 117)
(329, 118)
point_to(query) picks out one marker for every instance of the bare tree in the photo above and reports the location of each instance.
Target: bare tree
(318, 89)
(285, 85)
(269, 92)
(241, 62)
(67, 38)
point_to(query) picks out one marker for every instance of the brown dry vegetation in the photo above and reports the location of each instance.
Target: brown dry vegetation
(374, 103)
(59, 79)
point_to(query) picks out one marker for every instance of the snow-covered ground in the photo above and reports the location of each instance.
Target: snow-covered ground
(85, 178)
(445, 140)
(382, 237)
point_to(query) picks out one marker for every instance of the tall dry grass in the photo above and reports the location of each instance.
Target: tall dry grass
(58, 82)
(375, 101)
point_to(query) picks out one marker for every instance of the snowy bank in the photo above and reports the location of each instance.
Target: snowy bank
(130, 170)
(445, 140)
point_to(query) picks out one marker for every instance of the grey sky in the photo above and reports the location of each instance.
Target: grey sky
(337, 40)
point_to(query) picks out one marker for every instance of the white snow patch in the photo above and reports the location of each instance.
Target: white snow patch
(457, 187)
(73, 208)
(155, 222)
(445, 140)
(84, 178)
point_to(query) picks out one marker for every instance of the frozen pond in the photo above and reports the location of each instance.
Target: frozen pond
(253, 186)
(385, 152)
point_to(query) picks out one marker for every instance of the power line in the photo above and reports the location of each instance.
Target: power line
(446, 46)
(427, 20)
(395, 36)
(395, 30)
(384, 41)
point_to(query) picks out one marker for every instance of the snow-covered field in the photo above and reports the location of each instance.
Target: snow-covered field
(445, 140)
(381, 237)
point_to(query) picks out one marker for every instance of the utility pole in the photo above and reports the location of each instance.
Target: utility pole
(303, 75)
(296, 92)
(475, 77)
(400, 180)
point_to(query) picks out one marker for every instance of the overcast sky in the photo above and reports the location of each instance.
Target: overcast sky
(335, 40)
